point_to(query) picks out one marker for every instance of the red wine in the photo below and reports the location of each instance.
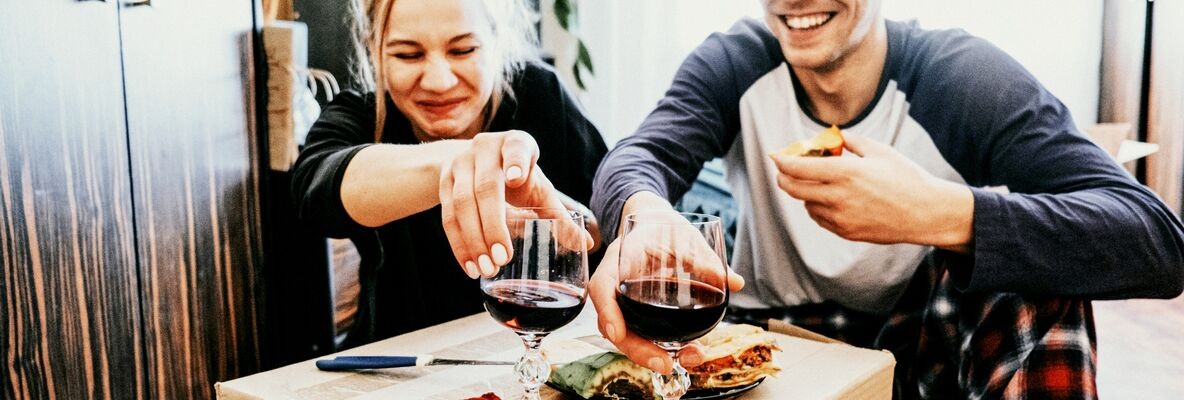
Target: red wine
(527, 305)
(654, 310)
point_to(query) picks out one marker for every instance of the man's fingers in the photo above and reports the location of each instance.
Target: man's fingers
(572, 235)
(602, 290)
(655, 247)
(821, 169)
(691, 355)
(646, 353)
(519, 153)
(735, 281)
(823, 216)
(863, 146)
(805, 190)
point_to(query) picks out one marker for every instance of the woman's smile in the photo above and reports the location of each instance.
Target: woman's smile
(440, 108)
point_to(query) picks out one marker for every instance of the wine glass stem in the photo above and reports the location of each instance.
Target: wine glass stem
(532, 368)
(674, 385)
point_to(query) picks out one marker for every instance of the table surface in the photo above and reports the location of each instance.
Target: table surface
(810, 369)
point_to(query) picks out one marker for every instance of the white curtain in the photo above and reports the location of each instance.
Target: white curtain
(637, 45)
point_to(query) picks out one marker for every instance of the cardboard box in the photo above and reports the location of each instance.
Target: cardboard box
(814, 367)
(1115, 138)
(286, 45)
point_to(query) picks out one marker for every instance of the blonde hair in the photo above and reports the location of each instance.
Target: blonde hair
(514, 44)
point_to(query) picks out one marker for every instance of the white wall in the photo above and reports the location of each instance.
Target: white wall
(637, 45)
(1058, 41)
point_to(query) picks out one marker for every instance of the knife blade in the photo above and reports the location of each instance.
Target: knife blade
(350, 363)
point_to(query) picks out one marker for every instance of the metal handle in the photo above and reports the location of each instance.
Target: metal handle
(136, 3)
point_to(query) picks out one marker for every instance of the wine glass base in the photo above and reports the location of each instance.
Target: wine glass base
(532, 369)
(674, 385)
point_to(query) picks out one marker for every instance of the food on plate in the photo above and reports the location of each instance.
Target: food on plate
(486, 396)
(605, 374)
(737, 355)
(827, 143)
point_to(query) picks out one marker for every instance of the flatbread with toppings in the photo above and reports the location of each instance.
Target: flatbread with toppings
(737, 355)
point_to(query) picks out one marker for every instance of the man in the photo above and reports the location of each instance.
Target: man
(912, 243)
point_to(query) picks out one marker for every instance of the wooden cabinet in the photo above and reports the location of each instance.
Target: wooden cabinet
(68, 287)
(129, 198)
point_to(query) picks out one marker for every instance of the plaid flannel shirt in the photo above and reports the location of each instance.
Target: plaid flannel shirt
(952, 345)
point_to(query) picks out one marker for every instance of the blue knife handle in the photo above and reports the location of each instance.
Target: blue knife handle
(349, 363)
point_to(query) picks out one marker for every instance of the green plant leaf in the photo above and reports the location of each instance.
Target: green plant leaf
(575, 71)
(563, 13)
(583, 58)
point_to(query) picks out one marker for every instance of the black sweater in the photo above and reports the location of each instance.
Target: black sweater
(409, 276)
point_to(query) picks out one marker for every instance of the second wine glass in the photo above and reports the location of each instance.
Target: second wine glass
(543, 286)
(672, 285)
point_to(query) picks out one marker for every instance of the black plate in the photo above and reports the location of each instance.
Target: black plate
(698, 394)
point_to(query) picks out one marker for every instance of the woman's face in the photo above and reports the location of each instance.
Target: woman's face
(438, 71)
(816, 34)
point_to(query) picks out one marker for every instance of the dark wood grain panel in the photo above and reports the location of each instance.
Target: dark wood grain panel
(68, 287)
(1165, 120)
(195, 184)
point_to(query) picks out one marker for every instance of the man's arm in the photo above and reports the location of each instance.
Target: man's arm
(1074, 223)
(696, 121)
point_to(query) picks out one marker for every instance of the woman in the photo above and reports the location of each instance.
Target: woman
(467, 121)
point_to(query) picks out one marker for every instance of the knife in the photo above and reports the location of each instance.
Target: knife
(350, 363)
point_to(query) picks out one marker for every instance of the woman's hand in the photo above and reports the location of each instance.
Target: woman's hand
(497, 169)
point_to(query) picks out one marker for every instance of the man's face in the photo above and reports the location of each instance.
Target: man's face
(815, 34)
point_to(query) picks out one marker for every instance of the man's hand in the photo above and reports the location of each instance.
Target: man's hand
(496, 169)
(879, 197)
(603, 291)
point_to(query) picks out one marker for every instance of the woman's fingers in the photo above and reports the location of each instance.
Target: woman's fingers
(490, 192)
(452, 228)
(519, 153)
(468, 216)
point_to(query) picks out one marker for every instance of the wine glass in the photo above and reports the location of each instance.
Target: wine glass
(543, 286)
(672, 284)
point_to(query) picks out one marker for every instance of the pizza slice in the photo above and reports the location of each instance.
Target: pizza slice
(825, 144)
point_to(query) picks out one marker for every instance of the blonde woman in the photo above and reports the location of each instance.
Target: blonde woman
(463, 120)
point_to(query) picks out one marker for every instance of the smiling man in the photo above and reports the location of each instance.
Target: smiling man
(980, 293)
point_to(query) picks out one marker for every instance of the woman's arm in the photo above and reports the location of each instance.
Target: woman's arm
(387, 182)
